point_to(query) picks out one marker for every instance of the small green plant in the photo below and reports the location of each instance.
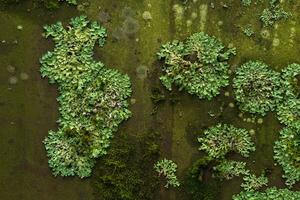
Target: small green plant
(220, 139)
(252, 182)
(248, 31)
(257, 88)
(269, 194)
(167, 168)
(286, 154)
(228, 169)
(92, 101)
(199, 65)
(274, 13)
(246, 2)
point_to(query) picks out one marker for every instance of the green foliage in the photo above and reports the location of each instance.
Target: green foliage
(252, 182)
(274, 13)
(246, 2)
(126, 173)
(257, 88)
(167, 168)
(287, 154)
(199, 65)
(289, 110)
(269, 194)
(248, 31)
(93, 99)
(220, 139)
(228, 169)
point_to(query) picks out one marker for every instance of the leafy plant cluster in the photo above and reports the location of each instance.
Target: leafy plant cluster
(252, 182)
(287, 154)
(258, 89)
(289, 110)
(274, 13)
(269, 194)
(248, 31)
(167, 168)
(286, 149)
(221, 139)
(229, 169)
(126, 172)
(92, 101)
(246, 2)
(199, 65)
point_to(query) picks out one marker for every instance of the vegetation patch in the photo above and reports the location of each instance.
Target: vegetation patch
(273, 13)
(257, 88)
(221, 139)
(93, 98)
(252, 182)
(199, 65)
(246, 2)
(289, 110)
(268, 194)
(229, 169)
(286, 154)
(167, 168)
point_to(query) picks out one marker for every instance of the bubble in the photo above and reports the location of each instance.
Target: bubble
(11, 69)
(260, 121)
(13, 80)
(104, 17)
(24, 76)
(141, 72)
(265, 33)
(130, 26)
(194, 15)
(20, 27)
(127, 12)
(132, 101)
(118, 34)
(227, 94)
(147, 15)
(252, 132)
(276, 42)
(231, 105)
(80, 8)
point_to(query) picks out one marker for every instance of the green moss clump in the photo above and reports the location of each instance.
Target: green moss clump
(248, 31)
(199, 65)
(221, 139)
(269, 194)
(246, 2)
(274, 13)
(93, 98)
(228, 169)
(257, 88)
(289, 110)
(167, 168)
(252, 182)
(126, 172)
(286, 154)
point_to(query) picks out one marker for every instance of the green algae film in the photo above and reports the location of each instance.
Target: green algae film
(29, 109)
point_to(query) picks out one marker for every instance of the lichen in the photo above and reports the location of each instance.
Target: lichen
(92, 101)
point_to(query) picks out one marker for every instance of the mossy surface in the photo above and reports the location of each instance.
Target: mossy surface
(29, 108)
